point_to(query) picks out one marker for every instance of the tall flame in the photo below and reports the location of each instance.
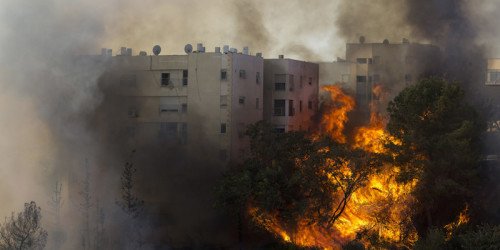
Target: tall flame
(380, 207)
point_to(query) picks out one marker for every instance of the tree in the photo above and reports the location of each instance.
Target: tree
(290, 178)
(440, 145)
(130, 202)
(24, 231)
(85, 206)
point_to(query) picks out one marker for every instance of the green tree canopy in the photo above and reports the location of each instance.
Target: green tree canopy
(440, 145)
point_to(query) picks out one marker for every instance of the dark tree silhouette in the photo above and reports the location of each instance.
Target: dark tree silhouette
(24, 231)
(130, 202)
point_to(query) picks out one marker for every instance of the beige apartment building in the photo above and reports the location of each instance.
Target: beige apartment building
(200, 101)
(493, 72)
(290, 93)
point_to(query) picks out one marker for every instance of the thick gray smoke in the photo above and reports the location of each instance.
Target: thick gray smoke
(52, 105)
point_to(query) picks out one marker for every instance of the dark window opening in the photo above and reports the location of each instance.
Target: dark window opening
(256, 103)
(361, 79)
(241, 100)
(300, 106)
(361, 60)
(165, 79)
(223, 74)
(185, 77)
(257, 77)
(309, 105)
(279, 107)
(280, 86)
(291, 109)
(243, 74)
(223, 128)
(184, 108)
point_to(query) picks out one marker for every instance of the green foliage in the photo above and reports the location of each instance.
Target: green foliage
(440, 145)
(24, 231)
(293, 177)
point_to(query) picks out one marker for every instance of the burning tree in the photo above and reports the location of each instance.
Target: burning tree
(294, 186)
(439, 148)
(24, 231)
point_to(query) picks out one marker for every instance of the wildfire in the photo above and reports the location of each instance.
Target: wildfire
(380, 207)
(334, 119)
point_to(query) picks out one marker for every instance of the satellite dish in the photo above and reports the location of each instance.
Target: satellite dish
(156, 49)
(361, 39)
(188, 48)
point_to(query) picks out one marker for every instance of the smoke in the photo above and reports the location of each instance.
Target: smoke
(52, 105)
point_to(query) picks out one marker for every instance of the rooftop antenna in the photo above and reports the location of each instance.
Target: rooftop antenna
(156, 49)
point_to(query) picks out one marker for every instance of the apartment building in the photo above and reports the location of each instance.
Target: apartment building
(200, 101)
(290, 93)
(493, 72)
(392, 65)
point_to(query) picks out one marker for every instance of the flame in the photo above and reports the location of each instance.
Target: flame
(380, 207)
(335, 117)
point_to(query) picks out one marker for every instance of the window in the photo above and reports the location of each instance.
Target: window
(495, 76)
(223, 101)
(280, 86)
(291, 109)
(169, 104)
(223, 128)
(165, 79)
(256, 103)
(291, 83)
(279, 107)
(309, 105)
(345, 78)
(241, 100)
(361, 79)
(370, 61)
(184, 108)
(243, 74)
(223, 74)
(128, 80)
(257, 77)
(300, 106)
(185, 77)
(168, 131)
(361, 60)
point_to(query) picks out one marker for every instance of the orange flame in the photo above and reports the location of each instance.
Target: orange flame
(334, 119)
(381, 206)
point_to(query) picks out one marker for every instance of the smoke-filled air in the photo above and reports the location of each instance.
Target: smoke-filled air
(249, 124)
